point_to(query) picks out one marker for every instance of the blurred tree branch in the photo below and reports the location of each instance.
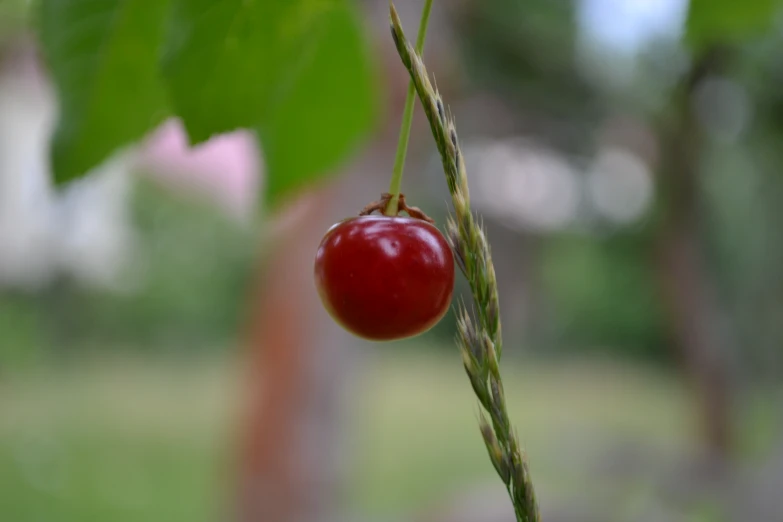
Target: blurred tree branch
(688, 292)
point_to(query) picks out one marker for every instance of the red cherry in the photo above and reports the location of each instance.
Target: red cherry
(384, 278)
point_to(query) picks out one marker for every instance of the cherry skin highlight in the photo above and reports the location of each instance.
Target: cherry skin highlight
(385, 278)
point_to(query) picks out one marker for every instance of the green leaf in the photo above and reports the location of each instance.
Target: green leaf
(296, 70)
(720, 21)
(223, 60)
(103, 55)
(327, 106)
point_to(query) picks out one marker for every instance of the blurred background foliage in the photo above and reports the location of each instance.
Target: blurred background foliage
(192, 268)
(575, 114)
(500, 43)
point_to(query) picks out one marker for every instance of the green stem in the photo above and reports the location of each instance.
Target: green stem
(407, 119)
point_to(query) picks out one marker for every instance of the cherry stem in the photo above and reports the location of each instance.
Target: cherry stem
(407, 118)
(414, 212)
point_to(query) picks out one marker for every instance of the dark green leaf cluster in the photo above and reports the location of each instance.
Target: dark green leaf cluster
(297, 72)
(712, 22)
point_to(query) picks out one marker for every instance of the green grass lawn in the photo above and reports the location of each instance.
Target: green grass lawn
(421, 440)
(132, 439)
(114, 440)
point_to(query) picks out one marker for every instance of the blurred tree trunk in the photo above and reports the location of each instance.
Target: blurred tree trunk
(278, 349)
(301, 367)
(689, 295)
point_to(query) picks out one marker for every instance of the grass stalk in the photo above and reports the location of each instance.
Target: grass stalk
(479, 333)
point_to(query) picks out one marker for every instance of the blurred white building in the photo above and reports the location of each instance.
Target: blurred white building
(82, 231)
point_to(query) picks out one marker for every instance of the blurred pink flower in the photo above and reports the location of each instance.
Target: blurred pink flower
(226, 168)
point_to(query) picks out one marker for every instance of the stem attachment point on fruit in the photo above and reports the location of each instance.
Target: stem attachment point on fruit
(383, 205)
